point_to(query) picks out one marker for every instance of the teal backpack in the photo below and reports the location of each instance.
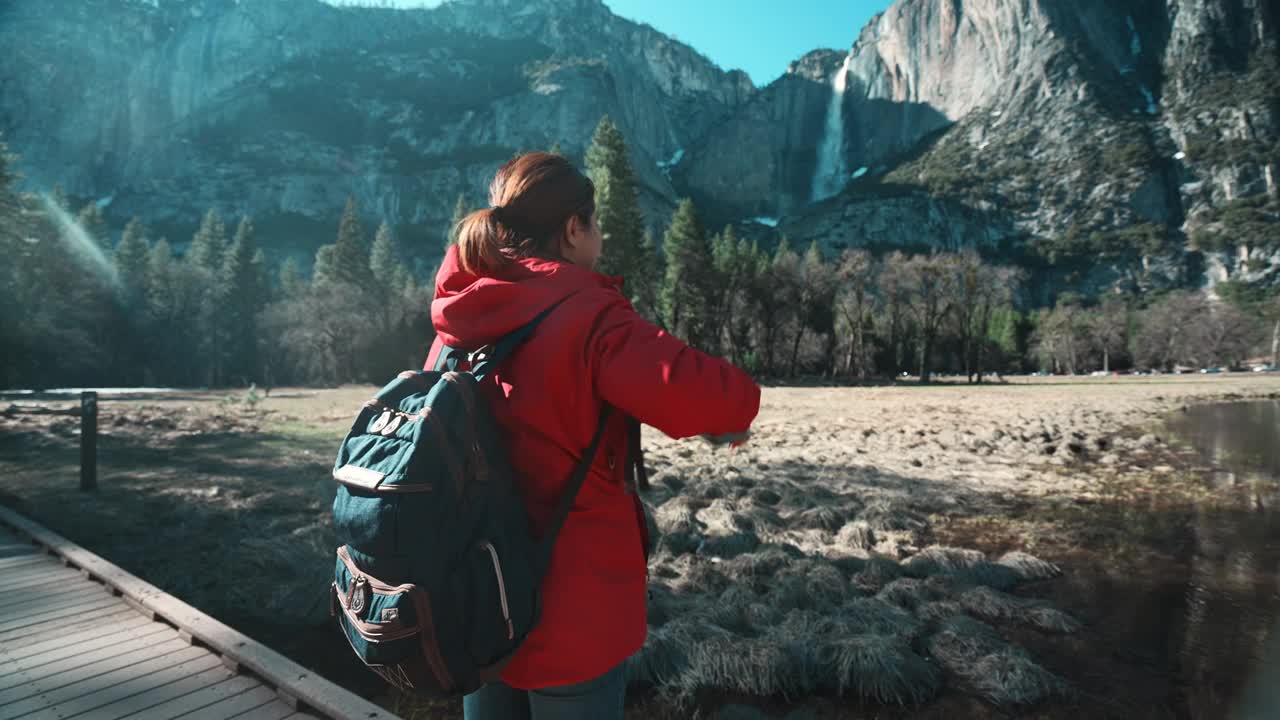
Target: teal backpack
(436, 579)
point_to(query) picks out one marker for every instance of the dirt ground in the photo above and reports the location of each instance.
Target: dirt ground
(1021, 529)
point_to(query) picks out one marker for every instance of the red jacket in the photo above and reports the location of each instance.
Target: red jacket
(594, 347)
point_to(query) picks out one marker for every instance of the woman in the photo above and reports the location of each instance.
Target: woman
(534, 247)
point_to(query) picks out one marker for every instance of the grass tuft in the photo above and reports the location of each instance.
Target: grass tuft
(880, 668)
(995, 605)
(1029, 567)
(999, 672)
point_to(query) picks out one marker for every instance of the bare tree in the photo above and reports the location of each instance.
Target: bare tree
(1002, 284)
(1109, 328)
(930, 282)
(1271, 314)
(979, 289)
(1224, 334)
(892, 287)
(1060, 337)
(1166, 330)
(854, 301)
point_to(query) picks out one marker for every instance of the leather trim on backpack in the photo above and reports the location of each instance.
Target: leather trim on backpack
(446, 447)
(467, 390)
(360, 477)
(468, 397)
(371, 481)
(421, 603)
(430, 645)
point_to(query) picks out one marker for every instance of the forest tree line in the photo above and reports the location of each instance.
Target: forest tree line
(82, 309)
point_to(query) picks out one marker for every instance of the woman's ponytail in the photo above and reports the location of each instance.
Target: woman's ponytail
(481, 238)
(531, 198)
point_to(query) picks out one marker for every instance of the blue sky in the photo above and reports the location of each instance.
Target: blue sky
(758, 36)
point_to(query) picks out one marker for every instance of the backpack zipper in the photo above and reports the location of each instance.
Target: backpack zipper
(502, 588)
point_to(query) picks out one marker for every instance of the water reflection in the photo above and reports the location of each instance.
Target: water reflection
(1239, 438)
(1229, 659)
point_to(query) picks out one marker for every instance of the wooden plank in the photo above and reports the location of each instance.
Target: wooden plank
(159, 695)
(318, 693)
(104, 665)
(302, 716)
(21, 576)
(205, 697)
(92, 703)
(74, 594)
(16, 548)
(76, 650)
(34, 672)
(91, 681)
(90, 631)
(40, 585)
(271, 711)
(30, 610)
(55, 619)
(9, 563)
(234, 706)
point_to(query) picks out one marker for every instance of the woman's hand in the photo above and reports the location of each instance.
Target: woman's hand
(733, 440)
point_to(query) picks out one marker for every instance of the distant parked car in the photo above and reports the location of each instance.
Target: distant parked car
(1263, 368)
(1210, 371)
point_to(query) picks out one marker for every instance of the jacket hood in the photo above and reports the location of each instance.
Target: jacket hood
(471, 310)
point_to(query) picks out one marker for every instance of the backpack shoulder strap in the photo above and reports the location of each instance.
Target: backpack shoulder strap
(542, 555)
(485, 359)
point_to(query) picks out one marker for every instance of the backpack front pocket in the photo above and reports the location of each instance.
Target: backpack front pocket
(389, 626)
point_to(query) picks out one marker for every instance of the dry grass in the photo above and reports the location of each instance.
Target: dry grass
(788, 568)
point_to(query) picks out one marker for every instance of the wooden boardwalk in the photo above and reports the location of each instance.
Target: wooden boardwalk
(80, 638)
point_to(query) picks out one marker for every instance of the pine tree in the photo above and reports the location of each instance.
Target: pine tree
(785, 279)
(816, 307)
(131, 257)
(733, 261)
(347, 260)
(203, 260)
(742, 315)
(382, 259)
(241, 297)
(94, 225)
(103, 314)
(688, 289)
(647, 300)
(209, 243)
(160, 300)
(292, 284)
(618, 211)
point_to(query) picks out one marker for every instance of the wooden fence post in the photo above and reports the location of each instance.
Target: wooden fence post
(88, 440)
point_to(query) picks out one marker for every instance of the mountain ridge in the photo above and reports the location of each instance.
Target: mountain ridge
(1054, 135)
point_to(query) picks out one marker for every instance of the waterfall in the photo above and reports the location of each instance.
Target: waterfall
(830, 174)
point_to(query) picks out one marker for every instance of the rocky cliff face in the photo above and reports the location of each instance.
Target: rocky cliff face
(1102, 141)
(1095, 134)
(281, 108)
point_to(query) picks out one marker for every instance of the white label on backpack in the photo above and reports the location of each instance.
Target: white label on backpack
(356, 475)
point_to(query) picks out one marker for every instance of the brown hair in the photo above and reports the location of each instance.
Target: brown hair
(531, 198)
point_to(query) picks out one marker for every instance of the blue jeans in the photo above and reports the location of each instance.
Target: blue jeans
(598, 699)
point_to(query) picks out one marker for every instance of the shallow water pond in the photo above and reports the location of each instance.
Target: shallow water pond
(1228, 629)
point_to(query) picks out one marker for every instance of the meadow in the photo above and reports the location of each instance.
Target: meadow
(897, 551)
